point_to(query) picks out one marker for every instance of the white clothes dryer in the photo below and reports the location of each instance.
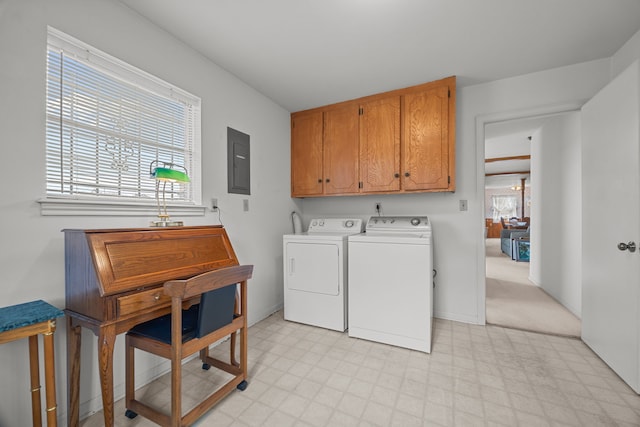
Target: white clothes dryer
(315, 273)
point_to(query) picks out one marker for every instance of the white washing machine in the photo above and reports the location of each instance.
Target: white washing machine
(315, 273)
(391, 282)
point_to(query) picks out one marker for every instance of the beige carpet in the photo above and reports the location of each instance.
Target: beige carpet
(515, 302)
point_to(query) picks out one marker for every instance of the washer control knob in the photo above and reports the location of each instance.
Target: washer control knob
(415, 221)
(314, 222)
(349, 223)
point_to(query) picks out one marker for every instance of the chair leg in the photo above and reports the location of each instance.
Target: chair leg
(176, 392)
(232, 350)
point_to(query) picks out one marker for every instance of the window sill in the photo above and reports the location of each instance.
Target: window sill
(73, 207)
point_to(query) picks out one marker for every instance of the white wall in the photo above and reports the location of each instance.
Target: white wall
(557, 209)
(626, 55)
(31, 253)
(538, 199)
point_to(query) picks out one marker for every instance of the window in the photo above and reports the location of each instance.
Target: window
(107, 121)
(503, 206)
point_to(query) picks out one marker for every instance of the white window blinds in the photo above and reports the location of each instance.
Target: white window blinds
(107, 121)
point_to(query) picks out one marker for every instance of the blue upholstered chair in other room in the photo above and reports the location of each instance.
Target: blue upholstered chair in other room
(507, 236)
(505, 241)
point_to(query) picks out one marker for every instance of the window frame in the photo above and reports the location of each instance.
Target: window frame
(104, 205)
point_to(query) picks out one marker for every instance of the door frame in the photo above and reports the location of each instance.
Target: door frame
(481, 121)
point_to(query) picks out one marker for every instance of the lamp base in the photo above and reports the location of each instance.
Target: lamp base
(166, 223)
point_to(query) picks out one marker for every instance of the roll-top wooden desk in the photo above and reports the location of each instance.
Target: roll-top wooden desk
(114, 281)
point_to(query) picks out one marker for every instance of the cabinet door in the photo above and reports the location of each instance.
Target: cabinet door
(341, 148)
(425, 149)
(380, 145)
(306, 154)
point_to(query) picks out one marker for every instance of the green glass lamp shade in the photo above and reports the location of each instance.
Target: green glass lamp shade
(168, 174)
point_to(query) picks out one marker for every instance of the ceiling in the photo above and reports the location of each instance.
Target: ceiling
(304, 54)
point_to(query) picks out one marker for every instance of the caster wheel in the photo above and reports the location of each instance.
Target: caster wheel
(130, 414)
(242, 386)
(206, 366)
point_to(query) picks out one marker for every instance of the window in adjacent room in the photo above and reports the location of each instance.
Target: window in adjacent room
(503, 206)
(107, 121)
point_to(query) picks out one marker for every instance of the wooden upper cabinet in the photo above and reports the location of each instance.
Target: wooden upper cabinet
(427, 150)
(380, 145)
(340, 150)
(306, 154)
(393, 142)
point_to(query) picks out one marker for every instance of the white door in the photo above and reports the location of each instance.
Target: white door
(611, 215)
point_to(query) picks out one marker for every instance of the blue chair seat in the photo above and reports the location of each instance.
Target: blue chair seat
(160, 328)
(195, 322)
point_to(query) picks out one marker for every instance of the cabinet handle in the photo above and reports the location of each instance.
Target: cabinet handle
(407, 174)
(156, 297)
(396, 175)
(327, 180)
(319, 180)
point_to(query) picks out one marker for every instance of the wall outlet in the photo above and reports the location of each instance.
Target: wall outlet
(214, 205)
(463, 205)
(378, 208)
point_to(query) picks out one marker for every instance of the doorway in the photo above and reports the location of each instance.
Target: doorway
(528, 293)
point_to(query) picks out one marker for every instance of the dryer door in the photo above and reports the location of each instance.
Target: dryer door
(313, 267)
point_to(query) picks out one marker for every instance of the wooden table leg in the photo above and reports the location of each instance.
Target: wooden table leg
(34, 368)
(106, 342)
(74, 335)
(50, 376)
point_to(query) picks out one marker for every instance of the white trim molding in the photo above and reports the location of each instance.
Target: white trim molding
(74, 207)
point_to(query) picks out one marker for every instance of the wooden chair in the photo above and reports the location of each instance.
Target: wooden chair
(186, 331)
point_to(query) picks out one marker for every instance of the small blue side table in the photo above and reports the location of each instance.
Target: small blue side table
(29, 320)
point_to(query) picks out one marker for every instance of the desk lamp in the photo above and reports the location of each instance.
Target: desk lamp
(164, 172)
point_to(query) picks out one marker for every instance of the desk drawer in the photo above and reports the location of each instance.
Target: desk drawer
(145, 300)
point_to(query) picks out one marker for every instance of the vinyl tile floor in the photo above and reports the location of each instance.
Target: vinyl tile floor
(301, 375)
